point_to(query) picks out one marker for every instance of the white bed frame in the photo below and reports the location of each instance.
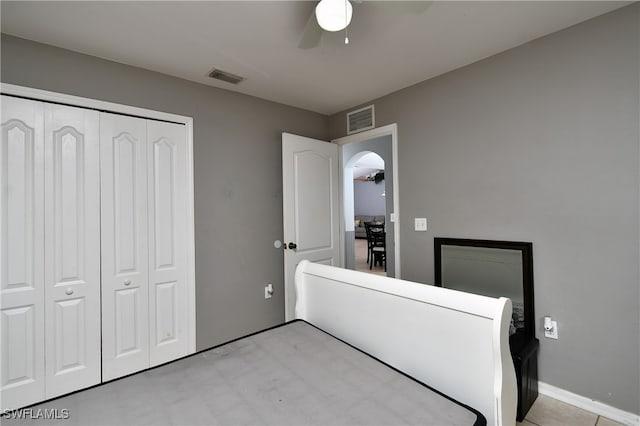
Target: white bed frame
(455, 342)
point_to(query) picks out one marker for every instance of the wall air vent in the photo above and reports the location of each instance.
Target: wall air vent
(361, 119)
(225, 76)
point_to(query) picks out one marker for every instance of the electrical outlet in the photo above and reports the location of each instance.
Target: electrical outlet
(268, 291)
(553, 333)
(420, 224)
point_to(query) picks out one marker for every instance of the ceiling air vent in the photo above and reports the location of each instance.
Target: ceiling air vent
(225, 76)
(361, 119)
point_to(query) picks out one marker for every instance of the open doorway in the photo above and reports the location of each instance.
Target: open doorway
(369, 212)
(363, 162)
(331, 244)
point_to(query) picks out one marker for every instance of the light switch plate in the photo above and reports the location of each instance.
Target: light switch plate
(420, 224)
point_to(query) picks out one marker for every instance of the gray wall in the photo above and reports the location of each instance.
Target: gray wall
(238, 174)
(539, 144)
(367, 198)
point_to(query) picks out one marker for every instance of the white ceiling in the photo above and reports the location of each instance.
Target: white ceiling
(389, 49)
(367, 164)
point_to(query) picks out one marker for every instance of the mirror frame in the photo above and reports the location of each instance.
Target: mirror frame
(526, 250)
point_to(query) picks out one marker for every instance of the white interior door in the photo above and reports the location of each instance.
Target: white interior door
(311, 213)
(22, 253)
(125, 264)
(168, 228)
(72, 249)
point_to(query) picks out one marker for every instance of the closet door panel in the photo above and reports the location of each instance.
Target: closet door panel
(22, 379)
(72, 249)
(167, 189)
(125, 296)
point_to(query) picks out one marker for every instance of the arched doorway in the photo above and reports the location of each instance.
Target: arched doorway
(368, 200)
(352, 154)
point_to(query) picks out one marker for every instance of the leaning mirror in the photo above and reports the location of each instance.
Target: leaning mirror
(498, 269)
(490, 268)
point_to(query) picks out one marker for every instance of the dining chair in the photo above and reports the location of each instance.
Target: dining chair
(376, 241)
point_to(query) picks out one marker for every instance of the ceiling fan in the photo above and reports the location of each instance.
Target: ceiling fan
(335, 15)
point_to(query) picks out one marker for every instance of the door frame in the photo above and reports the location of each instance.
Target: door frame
(388, 130)
(78, 101)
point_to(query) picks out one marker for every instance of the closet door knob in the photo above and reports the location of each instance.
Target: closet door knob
(127, 282)
(69, 291)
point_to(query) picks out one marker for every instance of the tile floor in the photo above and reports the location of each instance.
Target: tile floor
(361, 259)
(547, 411)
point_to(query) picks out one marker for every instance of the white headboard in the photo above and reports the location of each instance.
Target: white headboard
(455, 342)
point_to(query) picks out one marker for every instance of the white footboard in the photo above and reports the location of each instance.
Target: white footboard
(455, 342)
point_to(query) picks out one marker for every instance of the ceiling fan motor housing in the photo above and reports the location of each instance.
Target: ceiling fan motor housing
(334, 15)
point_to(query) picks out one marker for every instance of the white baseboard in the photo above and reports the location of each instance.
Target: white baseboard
(589, 404)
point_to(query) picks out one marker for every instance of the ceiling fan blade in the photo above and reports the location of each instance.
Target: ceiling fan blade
(312, 33)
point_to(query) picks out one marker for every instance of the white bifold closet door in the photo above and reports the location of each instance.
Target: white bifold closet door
(22, 260)
(144, 245)
(168, 227)
(50, 250)
(125, 277)
(72, 248)
(95, 233)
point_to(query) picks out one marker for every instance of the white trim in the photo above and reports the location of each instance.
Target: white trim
(44, 95)
(47, 96)
(388, 130)
(191, 243)
(589, 404)
(342, 224)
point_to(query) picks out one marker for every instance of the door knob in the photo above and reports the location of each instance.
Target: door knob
(69, 291)
(293, 246)
(127, 282)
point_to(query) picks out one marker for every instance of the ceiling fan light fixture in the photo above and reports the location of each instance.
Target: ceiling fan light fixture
(334, 15)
